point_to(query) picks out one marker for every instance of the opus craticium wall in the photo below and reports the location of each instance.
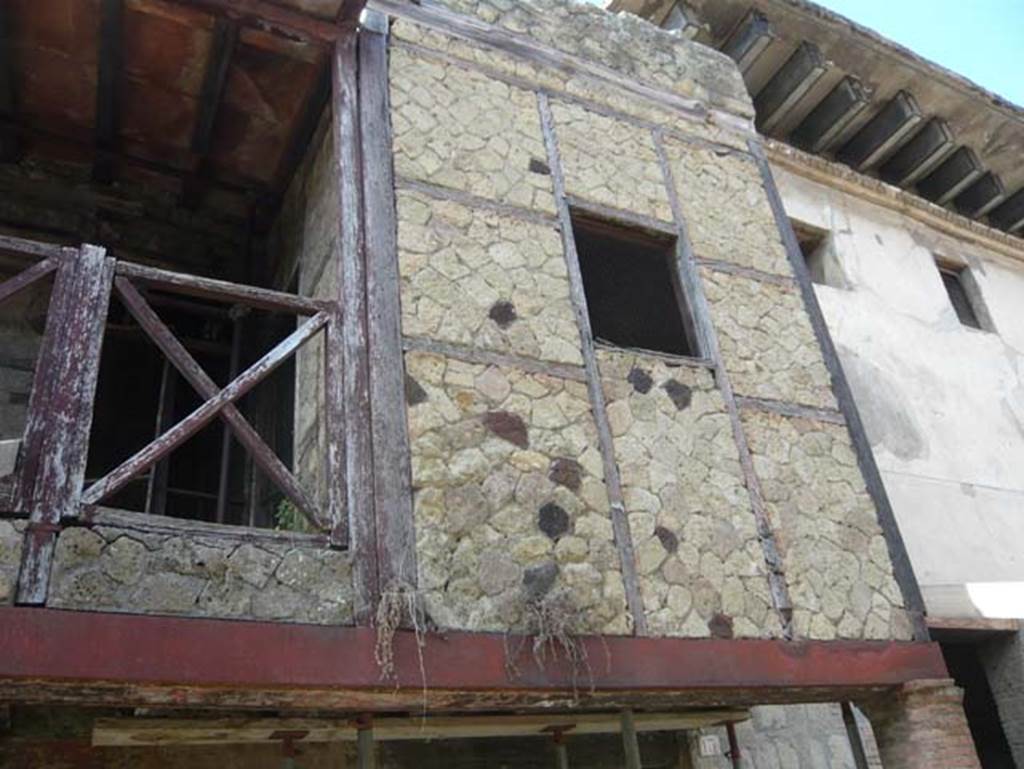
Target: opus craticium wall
(677, 496)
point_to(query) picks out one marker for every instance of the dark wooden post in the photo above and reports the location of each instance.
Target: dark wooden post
(392, 474)
(56, 442)
(629, 741)
(354, 363)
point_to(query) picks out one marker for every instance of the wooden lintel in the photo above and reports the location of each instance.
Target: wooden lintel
(126, 732)
(974, 625)
(111, 43)
(222, 48)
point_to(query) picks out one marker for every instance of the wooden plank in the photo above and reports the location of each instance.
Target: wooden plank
(489, 358)
(125, 732)
(687, 266)
(31, 247)
(392, 465)
(786, 281)
(108, 91)
(611, 214)
(972, 625)
(903, 571)
(27, 277)
(630, 746)
(156, 485)
(620, 523)
(222, 290)
(222, 48)
(358, 453)
(61, 416)
(265, 15)
(470, 200)
(790, 409)
(219, 402)
(860, 759)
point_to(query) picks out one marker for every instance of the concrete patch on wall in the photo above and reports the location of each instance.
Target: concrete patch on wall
(766, 340)
(610, 162)
(475, 277)
(886, 411)
(835, 556)
(12, 536)
(159, 566)
(510, 498)
(460, 129)
(701, 567)
(727, 213)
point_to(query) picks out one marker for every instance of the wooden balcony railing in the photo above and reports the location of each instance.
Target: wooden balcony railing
(49, 486)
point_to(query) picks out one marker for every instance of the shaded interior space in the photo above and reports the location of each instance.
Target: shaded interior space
(965, 667)
(634, 295)
(819, 255)
(964, 296)
(168, 135)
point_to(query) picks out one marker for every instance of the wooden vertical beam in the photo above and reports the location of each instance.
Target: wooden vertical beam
(60, 413)
(630, 744)
(365, 756)
(687, 266)
(860, 759)
(222, 48)
(107, 88)
(903, 571)
(620, 522)
(354, 360)
(156, 486)
(392, 473)
(224, 480)
(9, 144)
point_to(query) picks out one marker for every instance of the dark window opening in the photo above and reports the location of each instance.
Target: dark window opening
(990, 741)
(955, 280)
(821, 263)
(634, 295)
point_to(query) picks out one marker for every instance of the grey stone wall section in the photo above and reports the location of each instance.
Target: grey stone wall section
(12, 537)
(1003, 659)
(701, 568)
(510, 498)
(165, 566)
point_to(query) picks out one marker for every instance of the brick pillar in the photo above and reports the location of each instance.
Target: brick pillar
(922, 726)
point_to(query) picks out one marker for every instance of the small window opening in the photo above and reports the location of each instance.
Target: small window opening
(962, 292)
(634, 296)
(819, 256)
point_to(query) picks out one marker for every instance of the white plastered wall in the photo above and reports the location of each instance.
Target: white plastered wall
(943, 404)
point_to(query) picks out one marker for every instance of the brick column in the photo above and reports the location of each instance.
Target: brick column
(923, 726)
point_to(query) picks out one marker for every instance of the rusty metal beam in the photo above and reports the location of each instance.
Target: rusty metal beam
(255, 662)
(222, 48)
(108, 92)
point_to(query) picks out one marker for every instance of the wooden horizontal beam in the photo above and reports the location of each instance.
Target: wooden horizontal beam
(882, 133)
(789, 85)
(132, 660)
(271, 16)
(128, 732)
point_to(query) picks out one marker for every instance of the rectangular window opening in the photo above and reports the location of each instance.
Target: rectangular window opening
(635, 298)
(818, 255)
(963, 295)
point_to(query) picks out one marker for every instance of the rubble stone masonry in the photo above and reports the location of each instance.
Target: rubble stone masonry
(495, 439)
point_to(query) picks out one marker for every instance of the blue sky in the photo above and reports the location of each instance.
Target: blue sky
(982, 40)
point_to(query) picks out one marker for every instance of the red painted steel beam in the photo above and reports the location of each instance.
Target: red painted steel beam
(45, 645)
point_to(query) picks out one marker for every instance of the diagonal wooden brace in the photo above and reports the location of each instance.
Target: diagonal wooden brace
(27, 277)
(220, 402)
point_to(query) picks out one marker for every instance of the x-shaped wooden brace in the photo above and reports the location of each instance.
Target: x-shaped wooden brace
(219, 402)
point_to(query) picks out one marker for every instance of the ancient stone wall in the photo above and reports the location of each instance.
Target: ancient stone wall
(127, 562)
(490, 143)
(12, 537)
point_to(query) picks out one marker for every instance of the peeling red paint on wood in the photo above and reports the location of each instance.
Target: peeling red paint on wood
(226, 656)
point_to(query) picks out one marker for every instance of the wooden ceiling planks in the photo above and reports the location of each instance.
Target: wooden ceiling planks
(148, 118)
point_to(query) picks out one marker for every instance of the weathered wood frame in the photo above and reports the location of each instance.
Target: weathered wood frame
(48, 486)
